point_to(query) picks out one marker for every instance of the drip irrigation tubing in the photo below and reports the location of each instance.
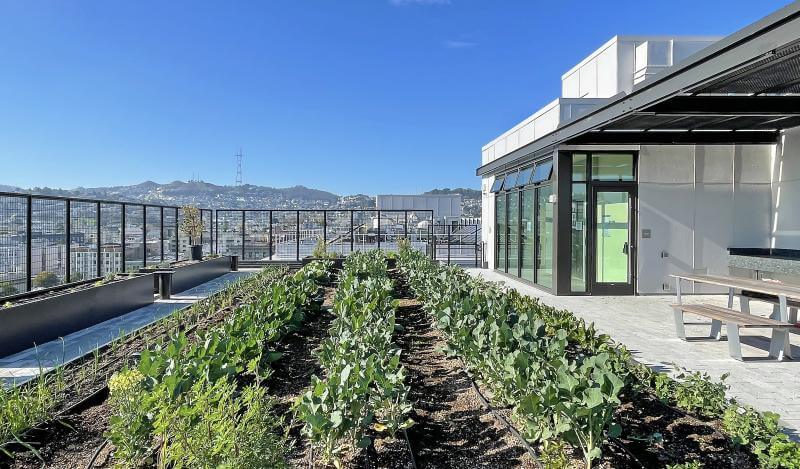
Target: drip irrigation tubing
(97, 453)
(498, 416)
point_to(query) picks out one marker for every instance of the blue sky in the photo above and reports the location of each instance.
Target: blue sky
(371, 96)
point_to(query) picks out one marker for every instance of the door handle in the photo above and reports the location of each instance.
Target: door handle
(625, 248)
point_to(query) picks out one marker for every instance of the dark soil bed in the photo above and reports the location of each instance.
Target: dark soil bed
(452, 428)
(658, 434)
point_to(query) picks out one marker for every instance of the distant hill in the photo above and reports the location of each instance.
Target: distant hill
(203, 194)
(465, 193)
(248, 196)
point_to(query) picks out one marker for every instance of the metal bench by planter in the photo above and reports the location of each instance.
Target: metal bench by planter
(779, 346)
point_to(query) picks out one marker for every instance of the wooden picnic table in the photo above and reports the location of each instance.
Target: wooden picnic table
(781, 295)
(781, 291)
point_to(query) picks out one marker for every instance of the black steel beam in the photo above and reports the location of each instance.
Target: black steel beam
(669, 138)
(725, 105)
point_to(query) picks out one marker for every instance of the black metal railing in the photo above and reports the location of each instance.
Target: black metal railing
(49, 241)
(291, 235)
(458, 244)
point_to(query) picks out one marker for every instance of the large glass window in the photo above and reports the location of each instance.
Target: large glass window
(578, 241)
(513, 233)
(612, 167)
(500, 214)
(544, 255)
(526, 235)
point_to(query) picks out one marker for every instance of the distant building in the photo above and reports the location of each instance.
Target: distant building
(446, 207)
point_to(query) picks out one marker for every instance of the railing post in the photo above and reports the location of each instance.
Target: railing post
(271, 245)
(144, 235)
(202, 228)
(177, 235)
(161, 236)
(352, 232)
(405, 224)
(99, 243)
(243, 233)
(216, 228)
(325, 229)
(379, 229)
(68, 249)
(123, 237)
(477, 261)
(447, 233)
(297, 233)
(29, 237)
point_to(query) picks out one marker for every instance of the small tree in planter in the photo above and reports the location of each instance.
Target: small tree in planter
(192, 226)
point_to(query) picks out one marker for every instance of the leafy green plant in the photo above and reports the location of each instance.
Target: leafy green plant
(186, 396)
(364, 383)
(686, 465)
(780, 452)
(747, 426)
(126, 399)
(321, 251)
(697, 392)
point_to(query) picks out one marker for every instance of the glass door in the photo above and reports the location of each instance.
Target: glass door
(612, 235)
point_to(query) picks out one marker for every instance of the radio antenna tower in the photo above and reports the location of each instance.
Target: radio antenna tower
(239, 168)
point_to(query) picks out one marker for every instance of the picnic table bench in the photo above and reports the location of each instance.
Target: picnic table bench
(785, 298)
(779, 346)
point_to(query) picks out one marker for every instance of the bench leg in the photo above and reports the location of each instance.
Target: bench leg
(716, 329)
(734, 346)
(679, 329)
(744, 302)
(776, 312)
(779, 346)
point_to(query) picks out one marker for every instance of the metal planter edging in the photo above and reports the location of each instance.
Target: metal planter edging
(192, 275)
(56, 316)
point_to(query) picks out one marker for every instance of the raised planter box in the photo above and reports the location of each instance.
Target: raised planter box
(192, 275)
(55, 316)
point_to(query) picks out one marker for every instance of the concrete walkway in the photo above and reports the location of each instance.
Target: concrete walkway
(23, 366)
(646, 326)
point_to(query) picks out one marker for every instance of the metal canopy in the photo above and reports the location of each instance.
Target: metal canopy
(743, 89)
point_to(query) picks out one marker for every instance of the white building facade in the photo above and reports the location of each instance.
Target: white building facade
(651, 162)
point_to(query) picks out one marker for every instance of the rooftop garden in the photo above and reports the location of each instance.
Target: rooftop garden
(392, 361)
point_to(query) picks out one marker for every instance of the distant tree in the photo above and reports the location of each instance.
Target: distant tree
(7, 289)
(45, 279)
(192, 224)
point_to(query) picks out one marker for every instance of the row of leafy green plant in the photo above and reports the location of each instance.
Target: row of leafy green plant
(200, 401)
(561, 377)
(364, 383)
(29, 404)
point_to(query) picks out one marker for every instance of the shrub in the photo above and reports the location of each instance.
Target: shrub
(7, 289)
(45, 279)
